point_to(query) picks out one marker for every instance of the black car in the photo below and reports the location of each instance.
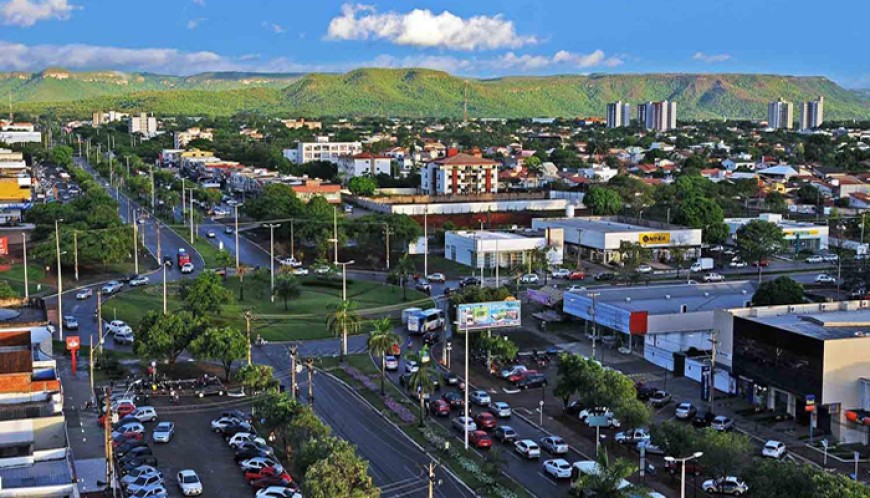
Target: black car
(137, 452)
(449, 291)
(533, 380)
(127, 447)
(645, 392)
(247, 452)
(450, 378)
(469, 281)
(573, 408)
(167, 261)
(231, 430)
(126, 465)
(703, 419)
(238, 414)
(210, 390)
(430, 338)
(604, 276)
(126, 419)
(454, 399)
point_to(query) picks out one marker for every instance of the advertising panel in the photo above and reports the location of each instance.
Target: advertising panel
(654, 238)
(496, 314)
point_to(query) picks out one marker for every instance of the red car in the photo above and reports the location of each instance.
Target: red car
(439, 407)
(127, 436)
(763, 262)
(282, 480)
(253, 475)
(519, 376)
(123, 410)
(480, 439)
(485, 420)
(576, 275)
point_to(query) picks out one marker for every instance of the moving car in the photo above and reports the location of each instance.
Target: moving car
(737, 263)
(480, 398)
(322, 270)
(391, 363)
(70, 323)
(123, 337)
(116, 326)
(469, 281)
(728, 485)
(500, 409)
(554, 445)
(713, 277)
(436, 277)
(815, 259)
(423, 286)
(529, 278)
(722, 423)
(189, 483)
(163, 432)
(505, 434)
(112, 287)
(464, 424)
(644, 269)
(439, 407)
(577, 275)
(485, 420)
(84, 294)
(228, 230)
(454, 399)
(480, 439)
(830, 258)
(528, 448)
(660, 399)
(685, 411)
(211, 234)
(187, 268)
(561, 273)
(773, 449)
(450, 378)
(139, 280)
(289, 261)
(557, 468)
(532, 380)
(824, 278)
(411, 366)
(576, 288)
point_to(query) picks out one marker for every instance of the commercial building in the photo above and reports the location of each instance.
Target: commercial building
(459, 173)
(182, 138)
(362, 164)
(18, 133)
(143, 124)
(602, 238)
(659, 116)
(15, 186)
(321, 150)
(672, 320)
(780, 114)
(618, 114)
(488, 249)
(812, 114)
(295, 124)
(786, 358)
(799, 235)
(314, 188)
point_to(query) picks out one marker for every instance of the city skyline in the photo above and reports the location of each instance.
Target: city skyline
(468, 38)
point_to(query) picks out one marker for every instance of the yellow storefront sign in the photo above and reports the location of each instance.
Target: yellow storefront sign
(654, 238)
(789, 233)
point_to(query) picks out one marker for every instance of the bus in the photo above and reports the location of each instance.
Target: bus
(425, 321)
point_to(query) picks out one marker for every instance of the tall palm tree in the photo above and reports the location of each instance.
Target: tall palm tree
(380, 342)
(344, 320)
(421, 381)
(405, 267)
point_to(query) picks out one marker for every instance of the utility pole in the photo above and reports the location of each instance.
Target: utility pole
(426, 242)
(594, 295)
(335, 234)
(191, 220)
(237, 247)
(159, 244)
(91, 367)
(248, 315)
(152, 187)
(431, 479)
(714, 341)
(100, 317)
(272, 227)
(135, 244)
(292, 241)
(164, 286)
(294, 350)
(59, 281)
(183, 200)
(26, 284)
(387, 233)
(309, 363)
(76, 253)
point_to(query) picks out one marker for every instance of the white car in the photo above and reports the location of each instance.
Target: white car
(244, 437)
(391, 363)
(84, 294)
(816, 259)
(220, 423)
(290, 261)
(436, 277)
(211, 234)
(70, 323)
(299, 271)
(824, 278)
(576, 288)
(322, 270)
(725, 485)
(554, 445)
(464, 424)
(644, 269)
(116, 326)
(480, 398)
(830, 258)
(144, 470)
(278, 492)
(163, 432)
(737, 264)
(136, 427)
(189, 483)
(773, 449)
(513, 370)
(145, 414)
(685, 411)
(112, 287)
(632, 436)
(500, 409)
(561, 273)
(411, 366)
(258, 463)
(713, 277)
(529, 278)
(145, 481)
(228, 230)
(124, 337)
(558, 468)
(528, 448)
(137, 281)
(187, 268)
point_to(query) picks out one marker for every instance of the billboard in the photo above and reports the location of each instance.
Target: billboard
(4, 246)
(654, 238)
(495, 314)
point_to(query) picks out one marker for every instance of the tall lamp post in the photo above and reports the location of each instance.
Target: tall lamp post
(594, 295)
(682, 462)
(272, 227)
(59, 281)
(344, 277)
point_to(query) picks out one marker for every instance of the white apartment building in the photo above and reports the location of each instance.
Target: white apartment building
(659, 116)
(321, 150)
(618, 114)
(100, 118)
(143, 124)
(182, 138)
(812, 114)
(780, 114)
(363, 164)
(459, 174)
(486, 249)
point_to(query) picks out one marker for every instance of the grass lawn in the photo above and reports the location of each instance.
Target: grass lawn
(305, 317)
(15, 277)
(208, 251)
(440, 264)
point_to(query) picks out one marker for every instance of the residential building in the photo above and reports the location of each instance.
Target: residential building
(488, 249)
(618, 114)
(785, 356)
(15, 186)
(799, 235)
(313, 188)
(659, 116)
(322, 150)
(170, 157)
(602, 238)
(182, 138)
(459, 173)
(100, 118)
(295, 124)
(812, 114)
(780, 114)
(362, 164)
(143, 124)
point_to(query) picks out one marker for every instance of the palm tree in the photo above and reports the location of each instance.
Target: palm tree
(344, 320)
(380, 342)
(242, 271)
(421, 381)
(605, 483)
(287, 287)
(405, 267)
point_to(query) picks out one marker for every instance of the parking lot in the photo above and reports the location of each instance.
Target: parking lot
(195, 446)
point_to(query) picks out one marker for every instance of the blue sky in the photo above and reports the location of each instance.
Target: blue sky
(477, 38)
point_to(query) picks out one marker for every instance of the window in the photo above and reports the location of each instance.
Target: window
(683, 308)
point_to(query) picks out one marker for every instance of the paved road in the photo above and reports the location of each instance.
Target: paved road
(395, 463)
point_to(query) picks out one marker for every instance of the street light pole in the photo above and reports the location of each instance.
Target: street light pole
(272, 227)
(682, 462)
(426, 245)
(309, 363)
(344, 277)
(135, 243)
(26, 284)
(59, 281)
(294, 350)
(594, 295)
(76, 253)
(164, 286)
(237, 237)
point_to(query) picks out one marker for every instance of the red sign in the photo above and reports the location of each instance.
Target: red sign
(4, 246)
(73, 343)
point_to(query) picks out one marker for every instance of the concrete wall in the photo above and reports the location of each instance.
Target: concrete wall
(45, 433)
(680, 322)
(845, 362)
(465, 207)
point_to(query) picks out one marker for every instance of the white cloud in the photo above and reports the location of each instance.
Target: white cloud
(276, 28)
(561, 60)
(423, 28)
(201, 3)
(28, 12)
(710, 58)
(194, 23)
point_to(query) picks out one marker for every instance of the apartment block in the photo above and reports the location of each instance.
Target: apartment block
(780, 114)
(812, 114)
(459, 174)
(618, 114)
(143, 124)
(322, 150)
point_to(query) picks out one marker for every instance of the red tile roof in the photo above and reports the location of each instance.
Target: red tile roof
(462, 159)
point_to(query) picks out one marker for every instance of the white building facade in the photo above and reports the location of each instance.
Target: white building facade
(363, 164)
(143, 124)
(812, 114)
(322, 150)
(618, 114)
(459, 174)
(488, 249)
(780, 114)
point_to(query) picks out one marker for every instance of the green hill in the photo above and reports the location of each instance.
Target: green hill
(422, 92)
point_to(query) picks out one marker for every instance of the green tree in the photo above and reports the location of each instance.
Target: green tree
(224, 259)
(603, 201)
(61, 155)
(344, 320)
(775, 202)
(759, 240)
(256, 377)
(607, 481)
(782, 290)
(164, 337)
(362, 186)
(277, 201)
(6, 291)
(405, 268)
(676, 440)
(380, 343)
(315, 450)
(287, 287)
(205, 294)
(809, 194)
(703, 213)
(420, 382)
(725, 453)
(343, 475)
(288, 422)
(223, 344)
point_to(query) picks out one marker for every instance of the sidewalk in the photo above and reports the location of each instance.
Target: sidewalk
(85, 435)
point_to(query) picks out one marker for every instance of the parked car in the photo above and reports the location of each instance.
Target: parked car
(533, 380)
(189, 483)
(116, 326)
(480, 398)
(633, 436)
(249, 451)
(128, 446)
(469, 281)
(131, 462)
(557, 468)
(480, 439)
(84, 294)
(514, 378)
(454, 399)
(815, 259)
(156, 491)
(512, 370)
(485, 420)
(500, 409)
(450, 378)
(773, 449)
(713, 277)
(299, 272)
(391, 363)
(644, 392)
(693, 467)
(685, 411)
(728, 485)
(529, 278)
(257, 463)
(284, 480)
(528, 448)
(660, 399)
(762, 263)
(138, 280)
(436, 277)
(554, 445)
(464, 424)
(577, 275)
(561, 273)
(221, 423)
(278, 492)
(123, 337)
(163, 432)
(70, 323)
(439, 407)
(604, 276)
(423, 286)
(722, 423)
(145, 470)
(253, 475)
(830, 258)
(703, 419)
(644, 269)
(130, 427)
(145, 414)
(210, 390)
(505, 434)
(237, 439)
(824, 278)
(144, 481)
